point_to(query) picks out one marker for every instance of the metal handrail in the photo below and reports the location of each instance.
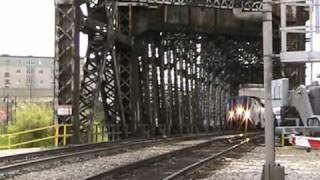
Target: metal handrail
(56, 136)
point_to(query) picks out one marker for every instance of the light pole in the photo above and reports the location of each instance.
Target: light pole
(30, 71)
(267, 69)
(271, 171)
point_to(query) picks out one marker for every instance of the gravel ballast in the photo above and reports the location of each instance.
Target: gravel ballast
(298, 163)
(10, 152)
(81, 170)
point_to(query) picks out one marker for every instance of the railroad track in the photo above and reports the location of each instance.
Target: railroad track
(201, 164)
(177, 164)
(11, 159)
(45, 159)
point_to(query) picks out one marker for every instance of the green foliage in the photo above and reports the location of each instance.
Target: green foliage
(3, 141)
(31, 116)
(98, 129)
(99, 114)
(98, 133)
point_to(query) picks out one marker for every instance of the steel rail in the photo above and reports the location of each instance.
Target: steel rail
(32, 155)
(16, 158)
(64, 155)
(109, 174)
(47, 156)
(203, 162)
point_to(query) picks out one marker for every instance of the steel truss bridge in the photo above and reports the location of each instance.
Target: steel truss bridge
(156, 66)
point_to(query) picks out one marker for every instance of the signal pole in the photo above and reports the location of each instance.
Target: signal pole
(271, 171)
(267, 68)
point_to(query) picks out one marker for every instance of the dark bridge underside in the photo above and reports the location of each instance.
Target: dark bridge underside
(157, 69)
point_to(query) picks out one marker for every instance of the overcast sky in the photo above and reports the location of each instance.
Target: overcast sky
(27, 28)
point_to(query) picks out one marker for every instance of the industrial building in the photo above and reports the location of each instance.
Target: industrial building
(26, 77)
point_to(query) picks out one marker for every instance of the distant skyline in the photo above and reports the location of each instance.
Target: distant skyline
(27, 29)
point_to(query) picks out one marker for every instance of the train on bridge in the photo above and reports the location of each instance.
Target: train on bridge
(295, 111)
(246, 111)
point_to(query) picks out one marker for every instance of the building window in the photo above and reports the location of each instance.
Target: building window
(40, 71)
(7, 81)
(18, 70)
(41, 81)
(6, 74)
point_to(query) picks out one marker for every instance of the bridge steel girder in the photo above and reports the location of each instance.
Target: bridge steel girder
(102, 72)
(163, 105)
(146, 73)
(124, 54)
(216, 4)
(167, 78)
(67, 64)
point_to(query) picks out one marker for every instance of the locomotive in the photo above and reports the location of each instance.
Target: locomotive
(246, 111)
(299, 107)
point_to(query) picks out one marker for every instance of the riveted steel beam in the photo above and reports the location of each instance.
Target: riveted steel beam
(163, 105)
(67, 64)
(221, 4)
(99, 54)
(166, 78)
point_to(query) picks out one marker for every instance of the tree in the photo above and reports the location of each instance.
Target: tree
(31, 116)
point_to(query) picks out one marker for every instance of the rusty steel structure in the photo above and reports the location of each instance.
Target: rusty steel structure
(157, 67)
(156, 74)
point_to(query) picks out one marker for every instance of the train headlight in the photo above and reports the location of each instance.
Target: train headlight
(247, 114)
(239, 110)
(231, 114)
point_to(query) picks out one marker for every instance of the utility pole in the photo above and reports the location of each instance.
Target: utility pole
(7, 109)
(31, 78)
(267, 69)
(271, 171)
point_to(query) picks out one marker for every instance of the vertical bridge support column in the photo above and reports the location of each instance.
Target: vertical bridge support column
(67, 63)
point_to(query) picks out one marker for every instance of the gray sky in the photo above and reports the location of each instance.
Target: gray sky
(27, 27)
